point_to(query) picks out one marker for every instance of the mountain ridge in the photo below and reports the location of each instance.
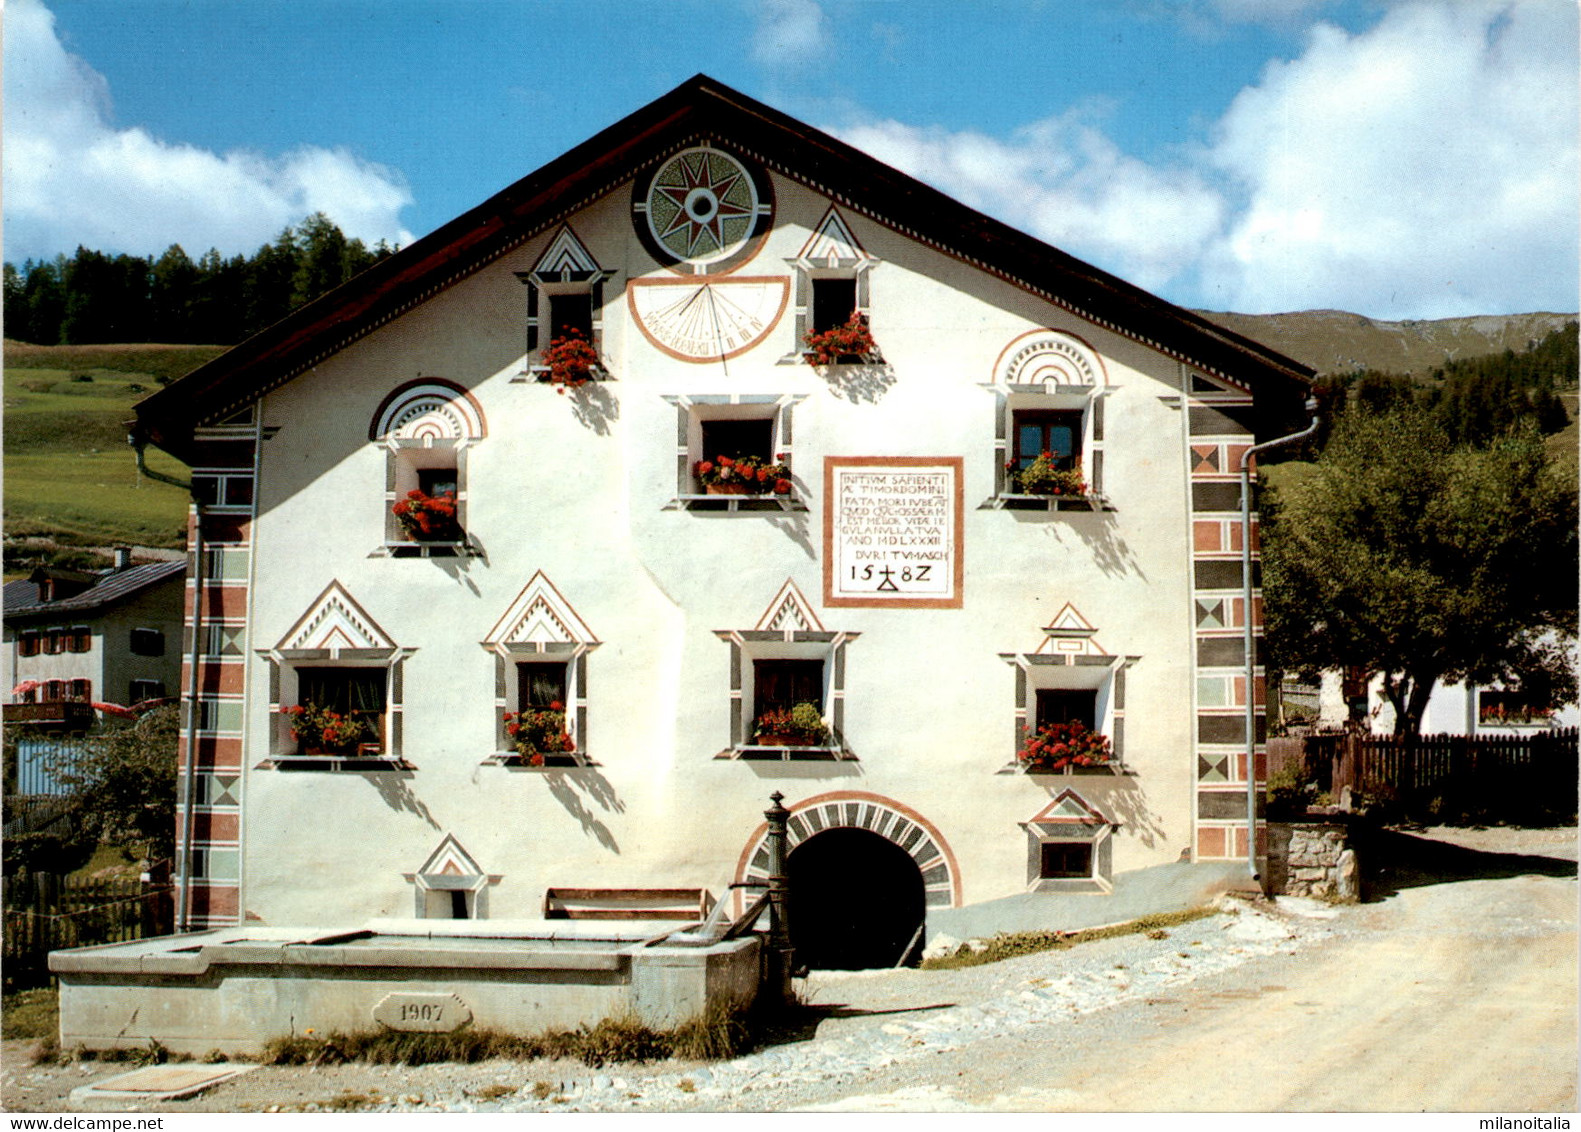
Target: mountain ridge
(1336, 341)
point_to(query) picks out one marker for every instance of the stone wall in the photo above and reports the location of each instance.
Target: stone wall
(1312, 859)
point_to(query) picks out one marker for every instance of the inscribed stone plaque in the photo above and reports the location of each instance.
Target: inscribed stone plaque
(434, 1013)
(892, 531)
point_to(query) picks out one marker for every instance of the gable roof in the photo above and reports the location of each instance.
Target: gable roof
(698, 110)
(22, 600)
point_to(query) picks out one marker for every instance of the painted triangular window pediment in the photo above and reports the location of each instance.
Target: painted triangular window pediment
(1070, 634)
(790, 612)
(1069, 807)
(566, 260)
(450, 858)
(335, 622)
(540, 615)
(833, 246)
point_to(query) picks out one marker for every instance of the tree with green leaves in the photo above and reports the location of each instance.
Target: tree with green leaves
(124, 784)
(1413, 558)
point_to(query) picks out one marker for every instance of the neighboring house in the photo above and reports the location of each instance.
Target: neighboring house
(1452, 709)
(582, 581)
(73, 638)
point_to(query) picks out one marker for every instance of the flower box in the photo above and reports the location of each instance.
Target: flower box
(841, 345)
(799, 726)
(1041, 477)
(743, 475)
(322, 731)
(428, 518)
(1065, 747)
(571, 360)
(540, 733)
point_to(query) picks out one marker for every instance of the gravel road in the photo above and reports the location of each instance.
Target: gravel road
(1455, 989)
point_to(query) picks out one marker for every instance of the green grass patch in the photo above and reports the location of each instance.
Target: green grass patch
(31, 1014)
(720, 1034)
(1009, 945)
(69, 473)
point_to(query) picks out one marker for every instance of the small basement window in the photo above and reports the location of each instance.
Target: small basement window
(1060, 860)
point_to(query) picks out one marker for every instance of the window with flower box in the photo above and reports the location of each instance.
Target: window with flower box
(336, 684)
(81, 691)
(339, 711)
(565, 299)
(735, 454)
(427, 429)
(1049, 391)
(541, 729)
(1069, 702)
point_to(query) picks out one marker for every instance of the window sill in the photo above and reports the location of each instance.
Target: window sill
(1008, 501)
(539, 375)
(1094, 885)
(458, 548)
(753, 752)
(335, 763)
(1111, 770)
(735, 503)
(551, 762)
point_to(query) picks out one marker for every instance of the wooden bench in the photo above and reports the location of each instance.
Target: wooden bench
(686, 904)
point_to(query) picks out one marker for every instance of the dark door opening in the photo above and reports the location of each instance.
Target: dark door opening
(856, 901)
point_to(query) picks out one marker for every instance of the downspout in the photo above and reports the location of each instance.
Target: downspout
(135, 438)
(138, 443)
(1247, 635)
(189, 791)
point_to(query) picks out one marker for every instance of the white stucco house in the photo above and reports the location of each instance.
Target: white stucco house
(900, 570)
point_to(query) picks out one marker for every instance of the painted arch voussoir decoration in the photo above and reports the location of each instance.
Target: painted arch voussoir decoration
(1048, 357)
(428, 409)
(855, 809)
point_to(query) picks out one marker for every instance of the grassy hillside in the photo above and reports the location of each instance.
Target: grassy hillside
(1341, 342)
(69, 473)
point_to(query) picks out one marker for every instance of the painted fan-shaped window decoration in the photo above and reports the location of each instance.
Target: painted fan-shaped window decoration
(428, 411)
(426, 427)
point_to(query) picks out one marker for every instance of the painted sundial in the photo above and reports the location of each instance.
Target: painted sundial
(703, 211)
(710, 317)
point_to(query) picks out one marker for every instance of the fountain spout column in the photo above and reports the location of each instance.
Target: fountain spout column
(779, 958)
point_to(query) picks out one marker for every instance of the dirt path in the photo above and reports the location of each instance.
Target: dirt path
(1455, 991)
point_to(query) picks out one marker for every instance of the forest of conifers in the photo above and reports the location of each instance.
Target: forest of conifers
(92, 297)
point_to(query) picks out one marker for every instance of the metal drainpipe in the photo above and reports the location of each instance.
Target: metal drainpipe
(189, 793)
(138, 443)
(1247, 635)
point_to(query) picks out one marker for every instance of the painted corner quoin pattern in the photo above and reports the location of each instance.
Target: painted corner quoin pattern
(711, 460)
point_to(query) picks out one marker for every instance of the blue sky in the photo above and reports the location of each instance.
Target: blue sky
(1404, 160)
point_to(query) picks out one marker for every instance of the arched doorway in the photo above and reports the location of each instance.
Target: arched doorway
(856, 901)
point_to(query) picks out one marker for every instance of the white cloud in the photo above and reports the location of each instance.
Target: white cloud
(789, 33)
(1424, 168)
(1064, 181)
(1428, 165)
(72, 178)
